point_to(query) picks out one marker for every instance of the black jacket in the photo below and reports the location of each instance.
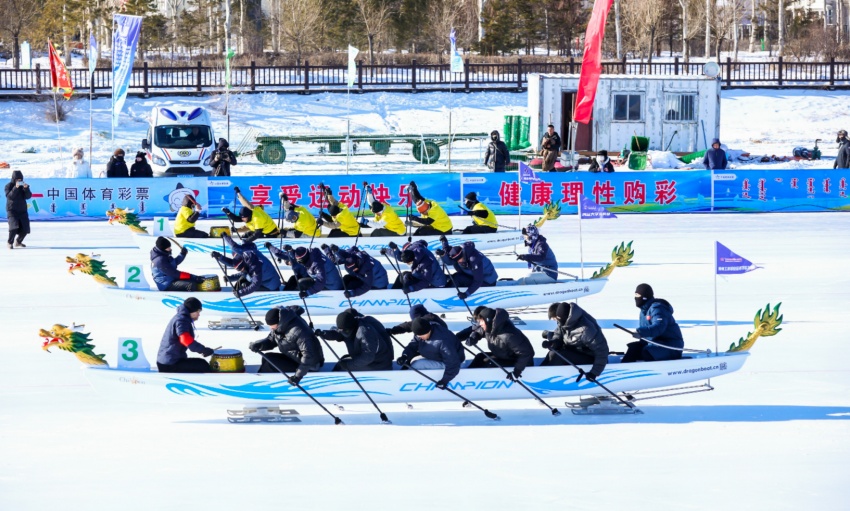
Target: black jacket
(443, 346)
(222, 159)
(117, 167)
(295, 339)
(552, 143)
(16, 204)
(501, 156)
(581, 332)
(141, 168)
(370, 347)
(506, 341)
(842, 160)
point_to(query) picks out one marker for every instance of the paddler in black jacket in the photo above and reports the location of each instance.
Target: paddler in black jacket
(508, 346)
(300, 350)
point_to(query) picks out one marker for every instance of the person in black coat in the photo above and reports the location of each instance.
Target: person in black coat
(116, 167)
(222, 158)
(178, 338)
(715, 158)
(508, 346)
(578, 338)
(141, 167)
(369, 345)
(17, 194)
(601, 163)
(550, 148)
(498, 151)
(433, 347)
(300, 350)
(842, 160)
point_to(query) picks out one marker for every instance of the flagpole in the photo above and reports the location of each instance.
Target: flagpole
(113, 82)
(580, 242)
(714, 265)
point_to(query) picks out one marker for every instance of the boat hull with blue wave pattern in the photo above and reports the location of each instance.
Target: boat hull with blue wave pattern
(376, 301)
(396, 386)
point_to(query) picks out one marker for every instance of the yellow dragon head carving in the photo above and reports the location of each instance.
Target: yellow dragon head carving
(766, 324)
(621, 256)
(126, 217)
(91, 266)
(72, 340)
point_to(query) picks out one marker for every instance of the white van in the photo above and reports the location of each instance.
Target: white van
(180, 141)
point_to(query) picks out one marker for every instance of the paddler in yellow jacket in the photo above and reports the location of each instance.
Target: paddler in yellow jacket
(338, 218)
(483, 219)
(187, 215)
(387, 222)
(433, 219)
(304, 223)
(255, 217)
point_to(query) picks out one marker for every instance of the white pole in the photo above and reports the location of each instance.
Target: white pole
(450, 132)
(347, 144)
(519, 219)
(580, 244)
(112, 46)
(58, 131)
(714, 266)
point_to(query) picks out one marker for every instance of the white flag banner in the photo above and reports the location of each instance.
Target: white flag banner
(125, 37)
(455, 59)
(352, 64)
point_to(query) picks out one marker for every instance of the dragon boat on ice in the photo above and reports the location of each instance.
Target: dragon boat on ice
(506, 294)
(249, 388)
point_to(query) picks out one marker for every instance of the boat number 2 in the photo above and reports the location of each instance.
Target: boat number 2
(131, 350)
(133, 273)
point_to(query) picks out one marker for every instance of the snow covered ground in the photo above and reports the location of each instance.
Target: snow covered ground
(761, 122)
(775, 435)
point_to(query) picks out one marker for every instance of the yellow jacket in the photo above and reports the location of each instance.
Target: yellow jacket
(442, 222)
(347, 223)
(391, 220)
(261, 220)
(490, 221)
(182, 223)
(306, 223)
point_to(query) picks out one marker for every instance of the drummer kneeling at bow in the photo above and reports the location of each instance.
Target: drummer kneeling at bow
(300, 349)
(164, 269)
(255, 218)
(540, 258)
(179, 336)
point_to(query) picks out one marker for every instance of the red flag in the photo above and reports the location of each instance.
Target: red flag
(591, 63)
(59, 77)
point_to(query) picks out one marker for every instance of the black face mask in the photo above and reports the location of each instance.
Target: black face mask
(494, 138)
(347, 333)
(639, 301)
(470, 204)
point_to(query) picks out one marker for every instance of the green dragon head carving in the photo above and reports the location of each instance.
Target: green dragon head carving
(621, 256)
(91, 266)
(71, 340)
(766, 324)
(126, 217)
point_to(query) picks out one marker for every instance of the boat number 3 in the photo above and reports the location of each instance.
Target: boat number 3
(130, 351)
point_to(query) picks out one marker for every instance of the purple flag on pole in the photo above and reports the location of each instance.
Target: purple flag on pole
(730, 263)
(527, 175)
(590, 209)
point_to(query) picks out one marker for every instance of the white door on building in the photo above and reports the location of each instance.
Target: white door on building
(680, 125)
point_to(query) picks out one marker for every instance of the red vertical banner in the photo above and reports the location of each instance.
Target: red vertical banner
(591, 63)
(59, 77)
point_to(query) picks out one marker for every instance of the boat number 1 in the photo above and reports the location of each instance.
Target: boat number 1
(161, 223)
(131, 350)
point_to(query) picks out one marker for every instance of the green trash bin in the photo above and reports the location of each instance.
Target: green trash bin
(507, 130)
(637, 160)
(640, 144)
(524, 131)
(688, 158)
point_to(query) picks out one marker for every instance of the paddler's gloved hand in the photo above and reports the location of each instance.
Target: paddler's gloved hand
(294, 380)
(215, 255)
(236, 189)
(442, 384)
(440, 252)
(256, 346)
(393, 245)
(383, 250)
(590, 375)
(522, 257)
(208, 352)
(226, 211)
(462, 295)
(514, 375)
(636, 335)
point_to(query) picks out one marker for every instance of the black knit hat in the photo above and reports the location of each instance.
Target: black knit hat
(334, 210)
(346, 321)
(421, 326)
(273, 316)
(192, 304)
(471, 196)
(487, 315)
(477, 312)
(563, 310)
(408, 256)
(246, 213)
(456, 253)
(376, 207)
(162, 243)
(301, 254)
(645, 291)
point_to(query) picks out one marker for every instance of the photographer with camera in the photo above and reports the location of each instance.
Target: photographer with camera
(222, 159)
(17, 194)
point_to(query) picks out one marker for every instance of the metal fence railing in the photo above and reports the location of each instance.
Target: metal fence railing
(146, 80)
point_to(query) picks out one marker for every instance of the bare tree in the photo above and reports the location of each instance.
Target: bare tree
(376, 17)
(641, 20)
(753, 4)
(781, 26)
(17, 17)
(299, 22)
(692, 16)
(444, 15)
(725, 22)
(618, 28)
